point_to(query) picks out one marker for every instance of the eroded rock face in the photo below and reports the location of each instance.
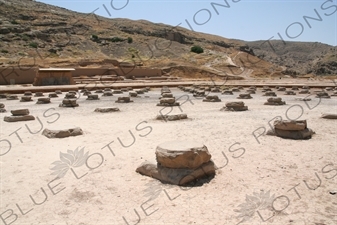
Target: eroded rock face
(182, 154)
(106, 110)
(62, 133)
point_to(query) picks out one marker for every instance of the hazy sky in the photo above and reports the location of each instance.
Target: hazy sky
(245, 20)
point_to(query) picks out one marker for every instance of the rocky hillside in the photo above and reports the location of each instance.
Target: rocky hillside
(37, 34)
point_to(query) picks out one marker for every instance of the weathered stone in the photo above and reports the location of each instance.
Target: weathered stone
(107, 93)
(2, 105)
(216, 89)
(329, 89)
(59, 92)
(292, 134)
(92, 97)
(28, 93)
(43, 101)
(305, 87)
(167, 95)
(177, 176)
(20, 112)
(266, 90)
(62, 133)
(244, 96)
(18, 118)
(69, 103)
(329, 116)
(38, 94)
(212, 98)
(99, 91)
(172, 117)
(281, 89)
(133, 94)
(199, 93)
(12, 97)
(106, 110)
(123, 100)
(294, 88)
(290, 93)
(26, 99)
(235, 90)
(322, 95)
(167, 100)
(3, 110)
(3, 96)
(306, 91)
(182, 154)
(251, 91)
(139, 91)
(53, 95)
(303, 99)
(234, 106)
(116, 91)
(70, 95)
(290, 125)
(227, 92)
(87, 93)
(269, 93)
(84, 90)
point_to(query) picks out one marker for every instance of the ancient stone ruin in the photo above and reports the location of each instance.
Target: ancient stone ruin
(53, 95)
(212, 98)
(168, 102)
(180, 163)
(172, 117)
(92, 97)
(275, 101)
(62, 133)
(26, 99)
(43, 101)
(12, 97)
(269, 93)
(2, 108)
(107, 110)
(68, 103)
(125, 99)
(235, 106)
(291, 129)
(38, 94)
(19, 115)
(322, 95)
(244, 96)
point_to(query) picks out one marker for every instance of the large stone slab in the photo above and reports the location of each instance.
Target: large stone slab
(182, 154)
(177, 176)
(290, 125)
(292, 134)
(18, 118)
(172, 117)
(20, 112)
(62, 133)
(329, 116)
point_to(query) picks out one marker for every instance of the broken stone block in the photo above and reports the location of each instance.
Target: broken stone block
(38, 94)
(53, 95)
(167, 95)
(123, 100)
(199, 93)
(107, 93)
(244, 96)
(269, 93)
(92, 97)
(27, 93)
(12, 97)
(62, 133)
(18, 118)
(68, 103)
(106, 110)
(20, 112)
(172, 117)
(139, 91)
(167, 100)
(290, 93)
(133, 94)
(227, 92)
(212, 98)
(116, 91)
(43, 101)
(235, 106)
(290, 125)
(182, 154)
(275, 101)
(58, 92)
(306, 91)
(294, 88)
(292, 134)
(322, 95)
(26, 99)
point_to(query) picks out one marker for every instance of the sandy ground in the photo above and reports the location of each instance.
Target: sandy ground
(293, 177)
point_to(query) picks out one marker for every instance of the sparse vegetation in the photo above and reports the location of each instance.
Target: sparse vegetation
(197, 49)
(116, 39)
(14, 22)
(94, 37)
(33, 44)
(4, 51)
(130, 40)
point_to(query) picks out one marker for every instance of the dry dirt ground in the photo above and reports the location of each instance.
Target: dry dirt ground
(261, 179)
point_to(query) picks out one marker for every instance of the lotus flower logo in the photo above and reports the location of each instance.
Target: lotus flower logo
(258, 201)
(69, 160)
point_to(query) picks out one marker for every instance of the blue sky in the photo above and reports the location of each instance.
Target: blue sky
(245, 20)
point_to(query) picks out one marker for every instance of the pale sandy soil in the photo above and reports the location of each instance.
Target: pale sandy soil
(111, 192)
